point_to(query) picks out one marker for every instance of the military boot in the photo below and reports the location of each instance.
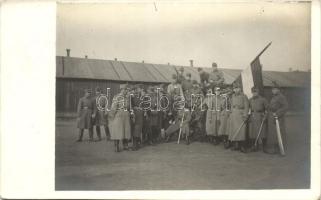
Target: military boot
(242, 147)
(227, 144)
(187, 140)
(236, 146)
(81, 133)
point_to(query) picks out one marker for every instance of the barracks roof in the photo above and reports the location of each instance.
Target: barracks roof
(72, 67)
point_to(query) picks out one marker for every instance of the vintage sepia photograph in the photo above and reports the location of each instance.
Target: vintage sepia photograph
(183, 96)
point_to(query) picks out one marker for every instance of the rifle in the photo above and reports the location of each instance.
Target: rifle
(278, 133)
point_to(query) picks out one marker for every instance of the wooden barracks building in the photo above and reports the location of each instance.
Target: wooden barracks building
(73, 75)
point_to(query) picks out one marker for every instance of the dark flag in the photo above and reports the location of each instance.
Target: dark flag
(252, 76)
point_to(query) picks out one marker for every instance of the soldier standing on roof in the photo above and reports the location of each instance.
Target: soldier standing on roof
(216, 77)
(187, 83)
(180, 75)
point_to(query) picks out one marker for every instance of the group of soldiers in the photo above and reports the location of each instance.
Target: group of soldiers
(204, 111)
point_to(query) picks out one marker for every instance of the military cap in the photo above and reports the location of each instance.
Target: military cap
(181, 69)
(236, 85)
(189, 74)
(217, 88)
(254, 89)
(275, 85)
(214, 64)
(98, 89)
(123, 86)
(151, 87)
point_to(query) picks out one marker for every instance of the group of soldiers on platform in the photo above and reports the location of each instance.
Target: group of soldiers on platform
(218, 114)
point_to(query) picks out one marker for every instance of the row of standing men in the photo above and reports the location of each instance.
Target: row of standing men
(224, 119)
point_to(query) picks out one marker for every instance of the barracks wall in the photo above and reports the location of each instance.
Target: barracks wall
(70, 90)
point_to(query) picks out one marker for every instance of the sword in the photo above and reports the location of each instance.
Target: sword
(278, 132)
(180, 129)
(260, 130)
(238, 130)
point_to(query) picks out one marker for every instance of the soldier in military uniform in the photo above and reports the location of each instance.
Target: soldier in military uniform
(147, 118)
(204, 78)
(85, 113)
(119, 118)
(225, 107)
(187, 83)
(197, 124)
(174, 85)
(216, 77)
(137, 122)
(180, 75)
(99, 118)
(258, 109)
(277, 108)
(239, 115)
(154, 117)
(212, 115)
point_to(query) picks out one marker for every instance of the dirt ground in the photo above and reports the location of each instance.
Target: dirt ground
(168, 166)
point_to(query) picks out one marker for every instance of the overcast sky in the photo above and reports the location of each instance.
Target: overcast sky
(229, 34)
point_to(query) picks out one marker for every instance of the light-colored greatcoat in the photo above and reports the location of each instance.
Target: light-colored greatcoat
(119, 119)
(212, 115)
(240, 109)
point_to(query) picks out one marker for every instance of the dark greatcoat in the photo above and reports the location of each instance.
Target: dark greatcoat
(279, 106)
(99, 110)
(84, 111)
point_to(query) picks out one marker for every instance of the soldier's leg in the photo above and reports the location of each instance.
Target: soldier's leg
(98, 132)
(91, 134)
(216, 140)
(173, 128)
(187, 137)
(116, 143)
(125, 143)
(135, 144)
(242, 145)
(107, 132)
(235, 146)
(81, 133)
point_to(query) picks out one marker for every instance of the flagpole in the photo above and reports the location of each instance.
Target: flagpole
(267, 46)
